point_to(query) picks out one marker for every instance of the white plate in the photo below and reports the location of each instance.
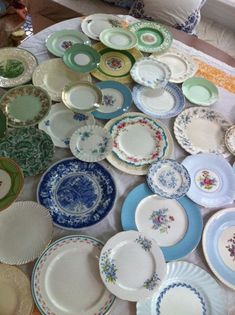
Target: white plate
(230, 139)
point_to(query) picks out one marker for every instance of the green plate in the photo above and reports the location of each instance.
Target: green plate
(118, 38)
(3, 124)
(31, 148)
(81, 58)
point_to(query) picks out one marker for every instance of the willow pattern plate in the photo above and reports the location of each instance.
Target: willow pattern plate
(118, 38)
(230, 139)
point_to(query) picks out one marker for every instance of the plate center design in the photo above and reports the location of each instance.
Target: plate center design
(11, 68)
(226, 247)
(114, 63)
(112, 100)
(207, 180)
(148, 38)
(5, 183)
(168, 179)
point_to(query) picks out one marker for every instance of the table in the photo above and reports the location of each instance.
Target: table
(124, 182)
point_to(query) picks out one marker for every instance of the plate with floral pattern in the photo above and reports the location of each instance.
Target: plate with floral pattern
(230, 139)
(118, 38)
(121, 260)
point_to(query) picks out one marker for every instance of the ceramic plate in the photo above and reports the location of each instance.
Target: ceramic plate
(91, 143)
(176, 224)
(58, 42)
(25, 105)
(3, 124)
(16, 66)
(121, 260)
(230, 139)
(200, 91)
(149, 72)
(115, 65)
(11, 182)
(159, 103)
(31, 231)
(187, 289)
(32, 149)
(201, 130)
(218, 245)
(61, 123)
(64, 275)
(117, 99)
(118, 38)
(52, 75)
(15, 291)
(78, 194)
(212, 180)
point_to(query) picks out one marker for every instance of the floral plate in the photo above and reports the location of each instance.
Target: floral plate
(118, 38)
(230, 139)
(78, 194)
(121, 260)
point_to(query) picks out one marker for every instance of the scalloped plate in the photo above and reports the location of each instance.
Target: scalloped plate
(230, 139)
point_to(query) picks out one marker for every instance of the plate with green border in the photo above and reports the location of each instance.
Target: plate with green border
(11, 182)
(118, 38)
(25, 105)
(58, 42)
(81, 58)
(152, 36)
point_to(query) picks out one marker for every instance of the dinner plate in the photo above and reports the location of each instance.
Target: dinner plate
(31, 229)
(152, 37)
(11, 182)
(212, 180)
(115, 65)
(66, 279)
(165, 103)
(16, 66)
(52, 75)
(25, 105)
(121, 260)
(187, 289)
(91, 143)
(230, 139)
(149, 72)
(176, 224)
(32, 149)
(77, 194)
(218, 245)
(201, 130)
(58, 42)
(118, 38)
(15, 298)
(60, 124)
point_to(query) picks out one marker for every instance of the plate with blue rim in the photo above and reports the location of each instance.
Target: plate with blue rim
(117, 99)
(77, 194)
(190, 236)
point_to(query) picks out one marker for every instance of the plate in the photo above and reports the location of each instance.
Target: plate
(65, 273)
(3, 124)
(117, 99)
(25, 105)
(58, 42)
(32, 149)
(230, 139)
(60, 124)
(78, 194)
(152, 37)
(81, 58)
(165, 103)
(168, 179)
(218, 245)
(149, 72)
(187, 289)
(192, 126)
(52, 75)
(15, 290)
(11, 182)
(115, 65)
(200, 91)
(16, 66)
(118, 38)
(31, 231)
(91, 143)
(212, 180)
(121, 260)
(177, 241)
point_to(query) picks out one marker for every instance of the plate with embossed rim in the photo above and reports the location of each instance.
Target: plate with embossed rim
(78, 194)
(16, 66)
(52, 75)
(121, 260)
(212, 180)
(32, 149)
(230, 139)
(192, 126)
(218, 244)
(187, 289)
(118, 38)
(64, 274)
(115, 65)
(159, 103)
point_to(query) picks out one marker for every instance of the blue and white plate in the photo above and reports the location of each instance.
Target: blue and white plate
(157, 103)
(187, 237)
(77, 194)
